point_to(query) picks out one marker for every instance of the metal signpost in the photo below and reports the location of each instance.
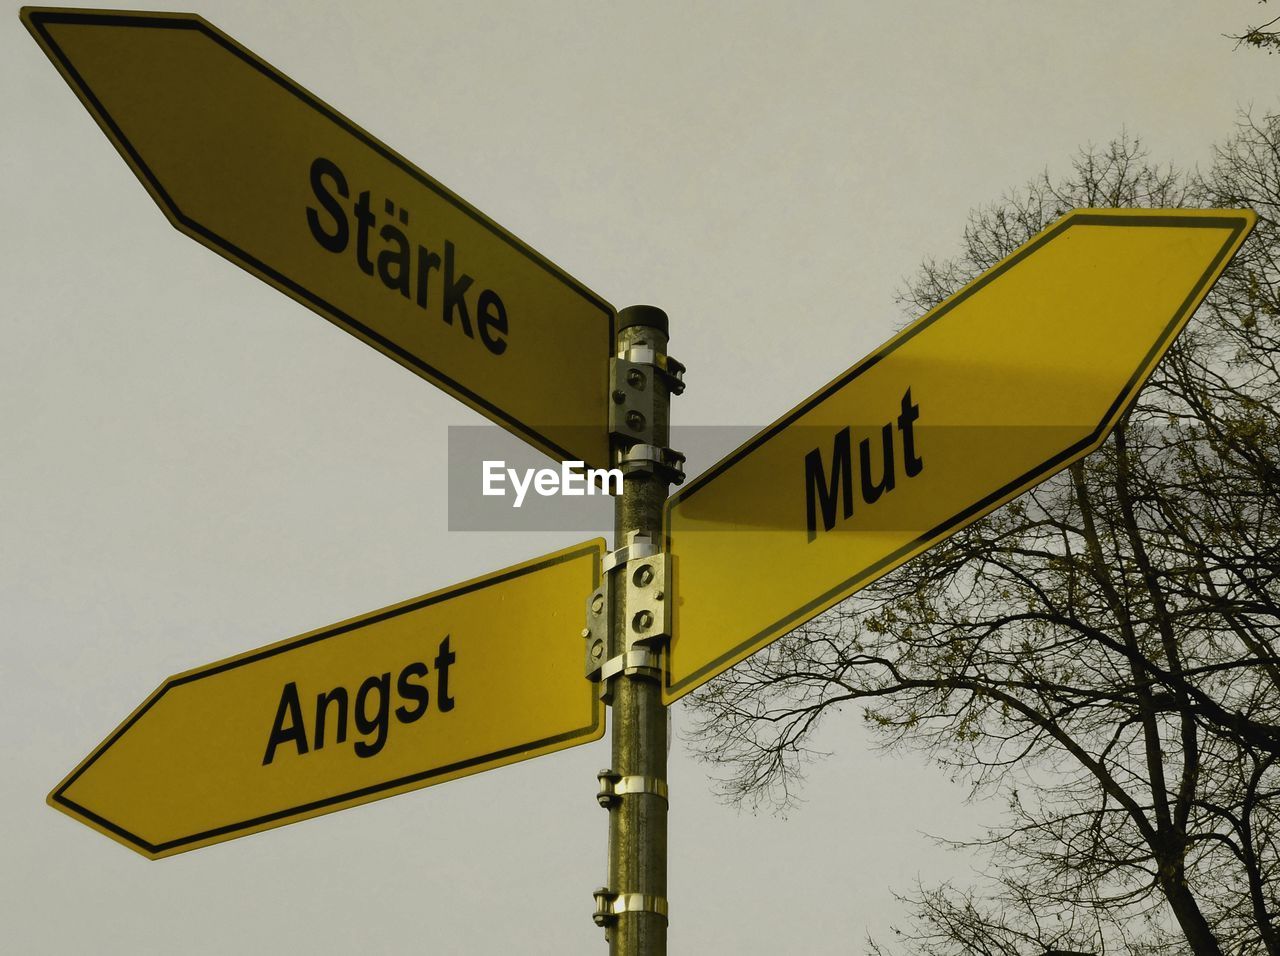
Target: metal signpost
(1022, 372)
(628, 627)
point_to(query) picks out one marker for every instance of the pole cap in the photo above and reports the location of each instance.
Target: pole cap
(649, 316)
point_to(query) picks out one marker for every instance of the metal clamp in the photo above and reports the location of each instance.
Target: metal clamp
(610, 905)
(644, 459)
(614, 786)
(639, 545)
(642, 660)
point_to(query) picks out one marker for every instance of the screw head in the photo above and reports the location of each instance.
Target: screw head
(635, 420)
(642, 621)
(597, 649)
(619, 396)
(643, 576)
(597, 604)
(635, 378)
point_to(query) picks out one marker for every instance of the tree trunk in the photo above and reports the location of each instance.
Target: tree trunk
(1186, 911)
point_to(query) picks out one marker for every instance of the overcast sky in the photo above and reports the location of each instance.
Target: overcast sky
(194, 465)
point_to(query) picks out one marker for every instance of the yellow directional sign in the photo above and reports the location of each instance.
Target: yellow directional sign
(1022, 372)
(246, 162)
(473, 677)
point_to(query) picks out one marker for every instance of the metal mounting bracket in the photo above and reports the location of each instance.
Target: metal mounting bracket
(638, 659)
(647, 602)
(645, 577)
(596, 633)
(635, 403)
(634, 400)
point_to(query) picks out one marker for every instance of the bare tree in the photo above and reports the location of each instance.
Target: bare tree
(1100, 652)
(1265, 36)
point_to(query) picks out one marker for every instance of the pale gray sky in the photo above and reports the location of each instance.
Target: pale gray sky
(194, 465)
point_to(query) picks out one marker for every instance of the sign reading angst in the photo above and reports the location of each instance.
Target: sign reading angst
(290, 726)
(1022, 372)
(476, 676)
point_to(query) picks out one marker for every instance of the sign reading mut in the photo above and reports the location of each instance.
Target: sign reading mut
(1022, 372)
(828, 483)
(249, 164)
(473, 677)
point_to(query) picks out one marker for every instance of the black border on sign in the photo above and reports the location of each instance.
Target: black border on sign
(58, 796)
(1236, 225)
(38, 17)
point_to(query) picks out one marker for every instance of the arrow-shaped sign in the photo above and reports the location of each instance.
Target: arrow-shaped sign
(246, 162)
(473, 677)
(1017, 375)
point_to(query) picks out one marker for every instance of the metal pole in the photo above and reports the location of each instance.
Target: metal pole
(638, 817)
